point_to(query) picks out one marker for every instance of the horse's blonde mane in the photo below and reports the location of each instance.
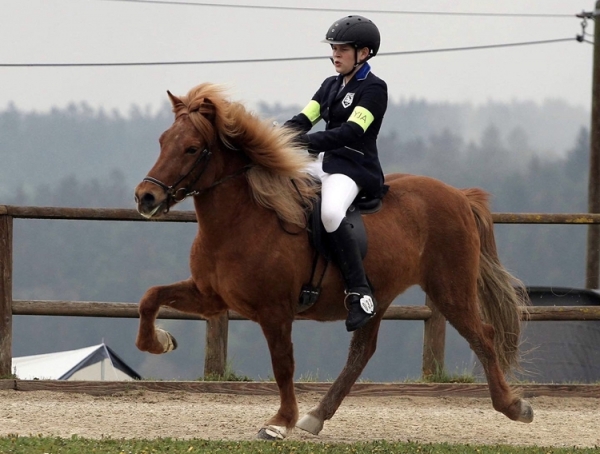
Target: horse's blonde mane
(278, 179)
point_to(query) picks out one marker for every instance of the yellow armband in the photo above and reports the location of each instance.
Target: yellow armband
(312, 111)
(361, 117)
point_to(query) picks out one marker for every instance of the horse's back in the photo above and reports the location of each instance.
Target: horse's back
(423, 223)
(428, 195)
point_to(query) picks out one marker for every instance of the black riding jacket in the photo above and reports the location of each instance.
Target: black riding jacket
(353, 118)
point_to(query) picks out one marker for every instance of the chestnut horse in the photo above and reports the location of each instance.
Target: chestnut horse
(252, 254)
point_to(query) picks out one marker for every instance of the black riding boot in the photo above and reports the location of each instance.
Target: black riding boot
(346, 253)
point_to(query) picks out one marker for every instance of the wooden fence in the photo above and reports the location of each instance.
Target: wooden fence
(217, 329)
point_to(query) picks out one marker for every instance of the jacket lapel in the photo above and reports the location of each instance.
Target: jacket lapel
(335, 92)
(350, 88)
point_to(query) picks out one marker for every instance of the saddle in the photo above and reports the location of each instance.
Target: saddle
(362, 205)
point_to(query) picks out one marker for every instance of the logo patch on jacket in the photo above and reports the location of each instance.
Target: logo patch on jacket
(347, 101)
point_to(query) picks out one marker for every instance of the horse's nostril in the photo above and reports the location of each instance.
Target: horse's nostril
(135, 199)
(148, 199)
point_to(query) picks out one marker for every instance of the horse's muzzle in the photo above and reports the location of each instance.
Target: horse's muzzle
(150, 204)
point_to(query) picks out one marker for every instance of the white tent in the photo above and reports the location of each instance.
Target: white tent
(97, 362)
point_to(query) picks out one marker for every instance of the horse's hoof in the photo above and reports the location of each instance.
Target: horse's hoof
(310, 424)
(271, 433)
(166, 340)
(526, 413)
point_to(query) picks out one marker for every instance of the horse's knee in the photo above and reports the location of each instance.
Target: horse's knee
(146, 312)
(149, 303)
(152, 294)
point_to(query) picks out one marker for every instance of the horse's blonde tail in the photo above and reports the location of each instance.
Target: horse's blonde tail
(501, 295)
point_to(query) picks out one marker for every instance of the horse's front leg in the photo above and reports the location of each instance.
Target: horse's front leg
(362, 347)
(183, 296)
(279, 340)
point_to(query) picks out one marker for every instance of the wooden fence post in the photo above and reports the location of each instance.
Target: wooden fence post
(215, 358)
(6, 241)
(434, 341)
(592, 279)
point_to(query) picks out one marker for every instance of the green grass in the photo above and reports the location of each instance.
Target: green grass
(228, 375)
(440, 376)
(443, 376)
(76, 445)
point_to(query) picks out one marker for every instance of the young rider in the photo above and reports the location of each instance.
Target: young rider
(352, 104)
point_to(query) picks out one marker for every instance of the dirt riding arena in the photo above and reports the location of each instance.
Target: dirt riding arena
(143, 413)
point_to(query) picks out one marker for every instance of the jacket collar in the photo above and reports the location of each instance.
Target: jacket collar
(360, 75)
(363, 72)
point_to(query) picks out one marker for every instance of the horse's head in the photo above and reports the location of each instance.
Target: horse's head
(213, 140)
(186, 164)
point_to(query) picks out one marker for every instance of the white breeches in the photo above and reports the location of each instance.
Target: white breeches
(338, 191)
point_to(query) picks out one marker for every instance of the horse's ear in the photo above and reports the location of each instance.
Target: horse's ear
(174, 99)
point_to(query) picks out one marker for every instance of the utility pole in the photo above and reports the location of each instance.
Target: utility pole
(593, 239)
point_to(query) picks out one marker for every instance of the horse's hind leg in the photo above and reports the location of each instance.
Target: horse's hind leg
(463, 314)
(362, 347)
(182, 296)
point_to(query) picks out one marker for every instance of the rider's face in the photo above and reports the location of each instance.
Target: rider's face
(344, 57)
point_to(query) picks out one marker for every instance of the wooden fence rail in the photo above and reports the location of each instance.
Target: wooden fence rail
(217, 329)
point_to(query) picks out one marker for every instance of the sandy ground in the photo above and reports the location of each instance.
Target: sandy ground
(145, 414)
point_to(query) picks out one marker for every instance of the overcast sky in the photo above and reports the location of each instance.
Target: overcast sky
(108, 31)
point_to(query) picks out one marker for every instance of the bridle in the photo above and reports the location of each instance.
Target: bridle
(179, 194)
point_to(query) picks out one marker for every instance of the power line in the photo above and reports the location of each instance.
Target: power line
(378, 11)
(489, 46)
(271, 60)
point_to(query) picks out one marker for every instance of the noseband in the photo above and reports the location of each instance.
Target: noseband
(179, 194)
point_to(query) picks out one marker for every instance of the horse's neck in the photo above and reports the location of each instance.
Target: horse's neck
(225, 209)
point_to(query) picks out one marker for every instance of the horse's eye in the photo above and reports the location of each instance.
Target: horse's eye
(191, 150)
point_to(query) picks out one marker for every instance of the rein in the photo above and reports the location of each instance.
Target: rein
(174, 194)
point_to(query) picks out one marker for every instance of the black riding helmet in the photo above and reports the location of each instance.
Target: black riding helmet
(356, 30)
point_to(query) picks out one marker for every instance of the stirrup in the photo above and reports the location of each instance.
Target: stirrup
(361, 310)
(366, 302)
